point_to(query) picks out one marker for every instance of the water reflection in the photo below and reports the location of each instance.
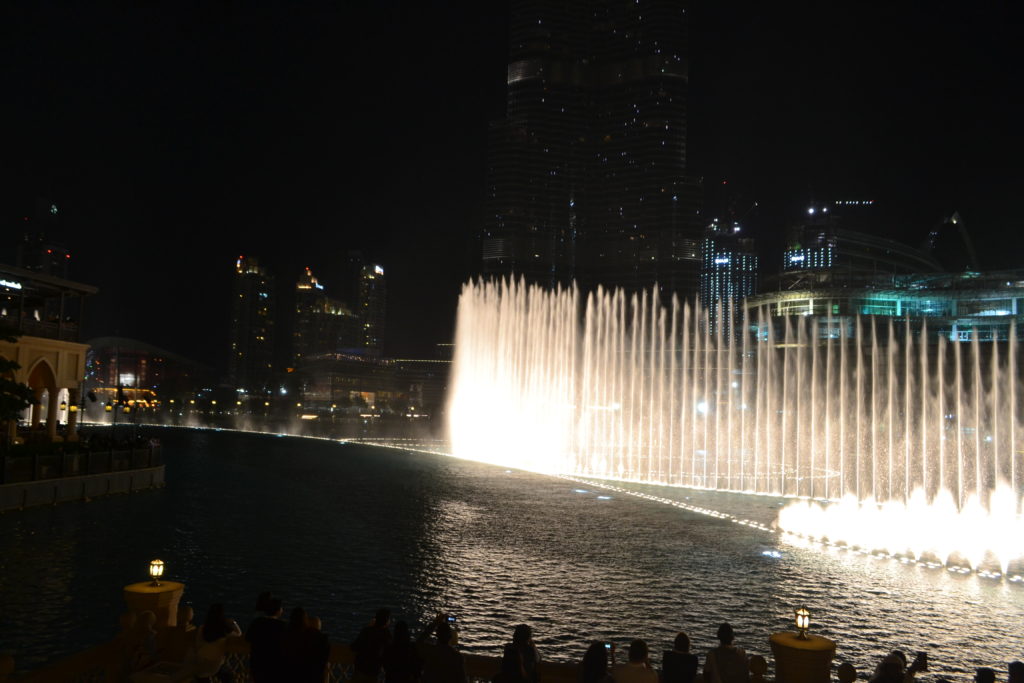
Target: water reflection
(344, 529)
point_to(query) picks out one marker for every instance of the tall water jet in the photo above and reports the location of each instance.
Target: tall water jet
(871, 410)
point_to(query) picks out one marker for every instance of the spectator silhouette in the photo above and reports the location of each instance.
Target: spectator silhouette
(511, 670)
(369, 647)
(726, 663)
(211, 643)
(442, 663)
(679, 665)
(1015, 672)
(985, 675)
(304, 650)
(594, 667)
(638, 668)
(266, 639)
(401, 661)
(522, 640)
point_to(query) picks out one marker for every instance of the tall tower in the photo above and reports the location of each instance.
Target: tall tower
(728, 276)
(372, 292)
(250, 363)
(322, 324)
(587, 173)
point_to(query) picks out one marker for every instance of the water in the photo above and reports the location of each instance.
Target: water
(344, 529)
(868, 409)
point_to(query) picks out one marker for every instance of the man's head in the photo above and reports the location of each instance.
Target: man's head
(444, 634)
(1016, 672)
(725, 634)
(985, 675)
(383, 618)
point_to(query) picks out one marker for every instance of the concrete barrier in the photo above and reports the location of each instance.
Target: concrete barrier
(53, 491)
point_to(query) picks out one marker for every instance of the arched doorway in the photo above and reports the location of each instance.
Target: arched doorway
(43, 382)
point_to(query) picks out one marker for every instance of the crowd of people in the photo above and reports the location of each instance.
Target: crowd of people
(297, 651)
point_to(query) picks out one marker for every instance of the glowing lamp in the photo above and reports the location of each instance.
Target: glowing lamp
(107, 408)
(126, 410)
(156, 570)
(803, 622)
(73, 408)
(63, 405)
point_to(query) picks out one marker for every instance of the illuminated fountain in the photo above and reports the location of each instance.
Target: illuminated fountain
(915, 443)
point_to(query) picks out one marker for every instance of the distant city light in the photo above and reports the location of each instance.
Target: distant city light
(11, 284)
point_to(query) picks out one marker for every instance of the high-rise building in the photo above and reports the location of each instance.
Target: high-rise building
(587, 175)
(250, 363)
(372, 299)
(322, 324)
(728, 275)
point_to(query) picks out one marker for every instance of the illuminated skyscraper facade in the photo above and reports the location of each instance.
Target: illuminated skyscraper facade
(371, 289)
(323, 325)
(251, 358)
(587, 175)
(728, 275)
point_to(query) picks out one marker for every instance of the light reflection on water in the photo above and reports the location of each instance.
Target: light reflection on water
(344, 529)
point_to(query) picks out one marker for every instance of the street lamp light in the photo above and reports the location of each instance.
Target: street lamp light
(803, 622)
(156, 570)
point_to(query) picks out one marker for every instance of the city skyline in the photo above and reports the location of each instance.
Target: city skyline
(172, 142)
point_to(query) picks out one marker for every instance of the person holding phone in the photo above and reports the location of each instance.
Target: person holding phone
(596, 661)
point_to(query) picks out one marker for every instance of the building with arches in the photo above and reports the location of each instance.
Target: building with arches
(44, 312)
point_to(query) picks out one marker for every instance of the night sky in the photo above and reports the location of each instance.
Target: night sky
(173, 140)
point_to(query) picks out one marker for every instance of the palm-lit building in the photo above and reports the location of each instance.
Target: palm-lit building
(251, 357)
(587, 174)
(44, 313)
(141, 374)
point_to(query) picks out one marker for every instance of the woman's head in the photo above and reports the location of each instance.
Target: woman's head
(216, 624)
(682, 642)
(595, 662)
(297, 621)
(522, 635)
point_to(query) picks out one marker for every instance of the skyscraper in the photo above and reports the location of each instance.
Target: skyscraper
(728, 275)
(322, 324)
(372, 299)
(250, 363)
(587, 173)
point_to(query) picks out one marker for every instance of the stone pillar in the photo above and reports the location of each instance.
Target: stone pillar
(52, 411)
(36, 418)
(799, 660)
(161, 600)
(72, 431)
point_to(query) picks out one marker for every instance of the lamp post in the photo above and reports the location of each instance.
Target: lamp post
(159, 597)
(801, 657)
(156, 570)
(803, 623)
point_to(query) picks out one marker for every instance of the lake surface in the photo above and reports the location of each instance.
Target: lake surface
(342, 529)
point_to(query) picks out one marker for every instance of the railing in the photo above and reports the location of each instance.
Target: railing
(108, 663)
(16, 468)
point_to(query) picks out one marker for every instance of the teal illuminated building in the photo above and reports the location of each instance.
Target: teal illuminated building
(836, 275)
